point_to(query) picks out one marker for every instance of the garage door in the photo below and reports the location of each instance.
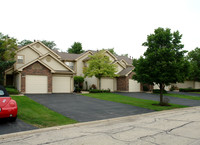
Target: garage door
(107, 83)
(36, 84)
(61, 84)
(134, 86)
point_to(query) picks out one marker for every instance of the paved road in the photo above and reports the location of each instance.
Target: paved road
(155, 97)
(172, 127)
(11, 127)
(186, 93)
(82, 108)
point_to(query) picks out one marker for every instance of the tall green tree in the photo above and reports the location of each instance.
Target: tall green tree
(49, 44)
(8, 46)
(76, 48)
(24, 42)
(100, 66)
(163, 62)
(194, 59)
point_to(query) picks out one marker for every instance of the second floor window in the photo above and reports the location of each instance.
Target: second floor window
(20, 59)
(70, 64)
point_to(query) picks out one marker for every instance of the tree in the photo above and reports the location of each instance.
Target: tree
(8, 46)
(112, 51)
(100, 66)
(163, 62)
(78, 82)
(49, 44)
(76, 48)
(194, 59)
(24, 42)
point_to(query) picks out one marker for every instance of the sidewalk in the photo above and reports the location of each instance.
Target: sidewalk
(175, 127)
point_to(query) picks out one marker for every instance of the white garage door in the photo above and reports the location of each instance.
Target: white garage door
(36, 84)
(107, 83)
(61, 84)
(134, 86)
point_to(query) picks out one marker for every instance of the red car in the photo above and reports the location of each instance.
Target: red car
(8, 106)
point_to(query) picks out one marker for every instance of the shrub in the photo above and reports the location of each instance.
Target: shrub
(189, 90)
(12, 91)
(78, 83)
(93, 87)
(99, 91)
(157, 91)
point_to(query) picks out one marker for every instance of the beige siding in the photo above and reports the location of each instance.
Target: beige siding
(36, 84)
(54, 64)
(134, 86)
(61, 84)
(110, 57)
(119, 68)
(29, 55)
(123, 63)
(115, 84)
(167, 88)
(90, 82)
(186, 84)
(79, 66)
(17, 81)
(197, 85)
(40, 48)
(107, 83)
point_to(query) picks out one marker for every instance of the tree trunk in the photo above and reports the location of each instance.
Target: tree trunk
(161, 94)
(99, 83)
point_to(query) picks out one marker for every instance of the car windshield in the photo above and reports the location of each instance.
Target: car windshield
(3, 92)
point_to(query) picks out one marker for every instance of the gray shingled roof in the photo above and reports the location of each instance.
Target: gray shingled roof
(68, 56)
(128, 60)
(125, 71)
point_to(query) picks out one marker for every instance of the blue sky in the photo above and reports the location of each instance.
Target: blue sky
(97, 24)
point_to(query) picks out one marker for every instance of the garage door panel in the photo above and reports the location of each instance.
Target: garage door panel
(36, 84)
(107, 84)
(61, 84)
(134, 86)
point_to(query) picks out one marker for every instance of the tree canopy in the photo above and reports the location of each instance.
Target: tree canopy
(49, 44)
(163, 62)
(76, 48)
(100, 66)
(194, 59)
(8, 46)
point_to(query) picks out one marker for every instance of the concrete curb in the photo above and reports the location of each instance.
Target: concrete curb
(89, 123)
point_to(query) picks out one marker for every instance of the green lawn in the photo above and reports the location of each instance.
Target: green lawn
(132, 101)
(12, 91)
(195, 92)
(38, 115)
(183, 96)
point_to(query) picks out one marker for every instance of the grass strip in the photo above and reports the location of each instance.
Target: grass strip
(132, 101)
(183, 96)
(38, 115)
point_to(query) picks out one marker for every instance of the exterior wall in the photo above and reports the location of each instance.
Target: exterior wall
(29, 55)
(197, 85)
(186, 84)
(167, 88)
(90, 82)
(119, 68)
(123, 63)
(36, 69)
(79, 65)
(110, 57)
(40, 48)
(53, 63)
(123, 82)
(134, 86)
(17, 81)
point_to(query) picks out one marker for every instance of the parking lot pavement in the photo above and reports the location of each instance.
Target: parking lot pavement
(186, 93)
(156, 97)
(10, 127)
(171, 127)
(83, 109)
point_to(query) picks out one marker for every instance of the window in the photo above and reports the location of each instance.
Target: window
(70, 64)
(20, 59)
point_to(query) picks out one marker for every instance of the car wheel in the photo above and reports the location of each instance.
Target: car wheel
(12, 119)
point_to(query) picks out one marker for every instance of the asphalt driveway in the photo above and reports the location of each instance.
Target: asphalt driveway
(186, 93)
(83, 109)
(11, 127)
(156, 97)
